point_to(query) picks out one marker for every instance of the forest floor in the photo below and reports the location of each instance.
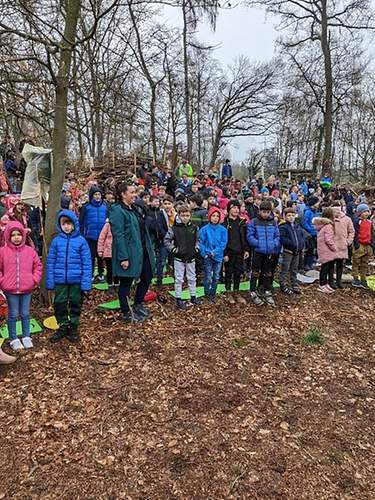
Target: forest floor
(218, 402)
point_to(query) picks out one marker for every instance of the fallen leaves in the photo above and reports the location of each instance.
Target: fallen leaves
(184, 407)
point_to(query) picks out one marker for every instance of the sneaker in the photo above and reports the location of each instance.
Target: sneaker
(325, 289)
(133, 317)
(16, 345)
(195, 301)
(101, 279)
(330, 288)
(364, 285)
(230, 298)
(27, 343)
(181, 305)
(140, 310)
(356, 284)
(268, 299)
(333, 286)
(211, 299)
(287, 291)
(256, 299)
(339, 285)
(59, 334)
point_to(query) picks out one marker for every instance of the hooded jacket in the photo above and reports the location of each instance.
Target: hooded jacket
(69, 257)
(93, 216)
(344, 234)
(213, 239)
(292, 237)
(20, 267)
(105, 242)
(182, 241)
(237, 243)
(327, 249)
(157, 225)
(263, 236)
(307, 221)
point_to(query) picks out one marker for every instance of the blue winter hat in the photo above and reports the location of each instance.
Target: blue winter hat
(362, 208)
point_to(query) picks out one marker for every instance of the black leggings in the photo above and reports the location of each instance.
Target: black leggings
(141, 290)
(339, 269)
(110, 278)
(233, 270)
(93, 244)
(326, 273)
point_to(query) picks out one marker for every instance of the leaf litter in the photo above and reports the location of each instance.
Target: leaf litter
(213, 403)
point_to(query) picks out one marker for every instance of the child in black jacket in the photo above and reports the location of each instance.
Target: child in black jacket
(182, 241)
(158, 227)
(292, 239)
(236, 251)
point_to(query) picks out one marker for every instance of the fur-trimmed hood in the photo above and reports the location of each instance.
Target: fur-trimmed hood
(320, 222)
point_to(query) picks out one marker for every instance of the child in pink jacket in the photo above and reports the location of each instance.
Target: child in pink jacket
(327, 249)
(105, 252)
(20, 272)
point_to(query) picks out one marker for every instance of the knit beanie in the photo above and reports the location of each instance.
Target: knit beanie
(362, 208)
(233, 203)
(212, 211)
(313, 200)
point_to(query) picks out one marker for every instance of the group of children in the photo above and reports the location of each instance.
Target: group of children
(268, 242)
(223, 244)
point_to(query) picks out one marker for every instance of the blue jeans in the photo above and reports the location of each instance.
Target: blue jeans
(161, 259)
(18, 306)
(211, 275)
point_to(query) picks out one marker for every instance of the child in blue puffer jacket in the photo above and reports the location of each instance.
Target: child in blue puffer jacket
(264, 237)
(213, 239)
(68, 274)
(92, 218)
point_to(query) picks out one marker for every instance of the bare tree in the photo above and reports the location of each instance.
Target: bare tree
(245, 103)
(311, 21)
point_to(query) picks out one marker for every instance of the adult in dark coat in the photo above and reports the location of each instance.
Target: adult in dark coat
(132, 253)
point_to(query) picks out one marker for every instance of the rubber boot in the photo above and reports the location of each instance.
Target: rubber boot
(5, 359)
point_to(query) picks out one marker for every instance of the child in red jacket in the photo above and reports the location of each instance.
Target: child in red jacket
(20, 273)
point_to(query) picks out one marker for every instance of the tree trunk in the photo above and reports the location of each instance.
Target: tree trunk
(153, 124)
(215, 148)
(318, 149)
(327, 155)
(60, 120)
(199, 125)
(189, 128)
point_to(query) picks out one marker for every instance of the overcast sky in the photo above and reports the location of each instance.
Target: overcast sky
(240, 30)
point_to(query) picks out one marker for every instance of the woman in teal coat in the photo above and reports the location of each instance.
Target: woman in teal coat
(132, 252)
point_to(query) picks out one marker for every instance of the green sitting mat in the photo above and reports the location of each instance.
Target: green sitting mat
(114, 304)
(371, 282)
(244, 286)
(168, 280)
(34, 328)
(101, 286)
